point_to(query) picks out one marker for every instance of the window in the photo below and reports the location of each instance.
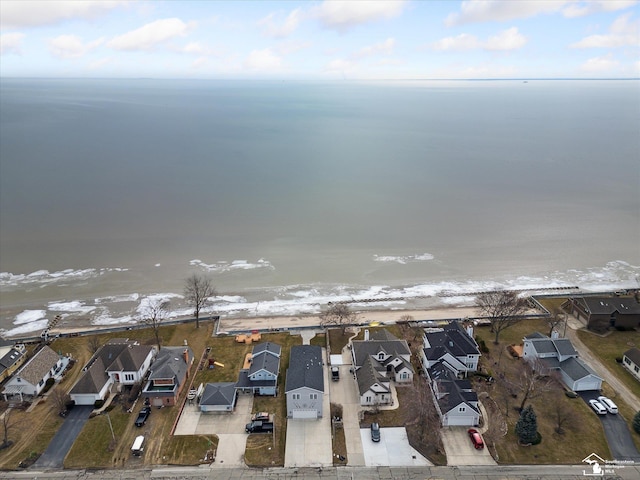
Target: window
(368, 399)
(128, 377)
(636, 369)
(404, 375)
(462, 409)
(295, 396)
(381, 356)
(627, 361)
(313, 396)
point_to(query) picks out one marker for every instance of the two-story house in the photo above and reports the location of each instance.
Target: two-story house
(558, 354)
(452, 345)
(304, 384)
(118, 362)
(31, 378)
(11, 358)
(631, 361)
(169, 375)
(264, 367)
(454, 398)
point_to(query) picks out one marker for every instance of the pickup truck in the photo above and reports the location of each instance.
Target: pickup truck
(335, 374)
(259, 427)
(143, 416)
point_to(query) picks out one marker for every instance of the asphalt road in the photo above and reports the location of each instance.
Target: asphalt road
(53, 456)
(617, 432)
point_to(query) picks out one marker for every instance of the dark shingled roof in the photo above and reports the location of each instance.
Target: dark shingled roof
(170, 364)
(367, 377)
(264, 361)
(452, 391)
(634, 355)
(305, 368)
(608, 305)
(452, 339)
(218, 394)
(379, 341)
(269, 347)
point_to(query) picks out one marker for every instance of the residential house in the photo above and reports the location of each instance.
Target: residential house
(264, 367)
(601, 313)
(118, 362)
(558, 354)
(11, 358)
(304, 384)
(31, 378)
(631, 361)
(169, 375)
(218, 397)
(454, 398)
(379, 359)
(452, 345)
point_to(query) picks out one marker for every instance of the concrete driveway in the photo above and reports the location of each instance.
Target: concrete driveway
(460, 450)
(345, 393)
(392, 450)
(228, 426)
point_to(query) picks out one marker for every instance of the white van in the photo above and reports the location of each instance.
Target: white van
(138, 446)
(608, 404)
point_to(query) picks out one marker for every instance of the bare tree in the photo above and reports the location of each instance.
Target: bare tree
(337, 314)
(197, 291)
(564, 415)
(556, 318)
(154, 312)
(533, 380)
(9, 423)
(504, 308)
(60, 398)
(421, 411)
(93, 343)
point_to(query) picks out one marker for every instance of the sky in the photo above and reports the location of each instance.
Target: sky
(333, 39)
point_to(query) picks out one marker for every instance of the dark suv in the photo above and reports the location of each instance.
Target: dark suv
(375, 432)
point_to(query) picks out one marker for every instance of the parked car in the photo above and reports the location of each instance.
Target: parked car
(476, 438)
(335, 374)
(261, 416)
(598, 407)
(143, 416)
(608, 404)
(375, 432)
(259, 427)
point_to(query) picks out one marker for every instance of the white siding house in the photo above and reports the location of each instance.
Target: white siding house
(631, 361)
(32, 377)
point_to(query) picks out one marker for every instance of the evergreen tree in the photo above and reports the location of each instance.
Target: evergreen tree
(636, 422)
(527, 426)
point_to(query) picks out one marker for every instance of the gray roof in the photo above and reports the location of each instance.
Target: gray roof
(577, 369)
(39, 365)
(170, 363)
(11, 358)
(269, 347)
(264, 361)
(379, 341)
(543, 344)
(452, 391)
(305, 368)
(367, 377)
(634, 355)
(93, 379)
(451, 339)
(608, 305)
(222, 393)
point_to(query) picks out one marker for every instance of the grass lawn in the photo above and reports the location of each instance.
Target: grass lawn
(584, 433)
(191, 449)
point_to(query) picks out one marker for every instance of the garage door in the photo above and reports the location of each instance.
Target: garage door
(300, 413)
(587, 384)
(458, 421)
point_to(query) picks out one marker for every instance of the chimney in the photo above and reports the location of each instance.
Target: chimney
(470, 331)
(185, 355)
(366, 334)
(554, 334)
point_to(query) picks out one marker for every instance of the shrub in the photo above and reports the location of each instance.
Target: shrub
(98, 403)
(618, 359)
(636, 422)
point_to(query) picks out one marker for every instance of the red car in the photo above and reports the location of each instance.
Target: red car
(476, 439)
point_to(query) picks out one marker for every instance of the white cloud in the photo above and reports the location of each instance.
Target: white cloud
(580, 9)
(263, 60)
(19, 14)
(98, 64)
(381, 48)
(342, 15)
(510, 39)
(474, 11)
(622, 33)
(150, 35)
(71, 46)
(272, 28)
(600, 64)
(11, 43)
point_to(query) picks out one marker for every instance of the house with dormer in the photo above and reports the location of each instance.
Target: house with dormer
(390, 356)
(30, 380)
(455, 400)
(601, 313)
(12, 357)
(119, 362)
(264, 367)
(453, 345)
(169, 375)
(304, 384)
(558, 354)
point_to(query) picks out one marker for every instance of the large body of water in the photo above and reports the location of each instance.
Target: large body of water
(293, 194)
